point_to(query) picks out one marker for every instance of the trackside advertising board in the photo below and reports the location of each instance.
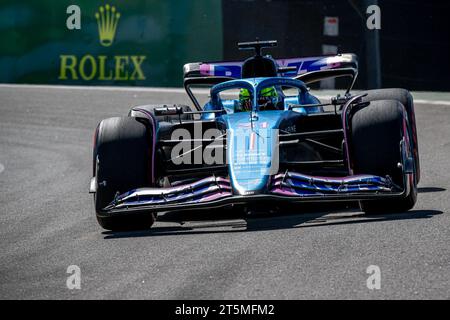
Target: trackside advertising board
(91, 42)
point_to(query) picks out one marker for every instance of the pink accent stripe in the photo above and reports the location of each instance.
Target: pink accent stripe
(282, 191)
(153, 120)
(252, 141)
(344, 128)
(215, 196)
(205, 69)
(324, 179)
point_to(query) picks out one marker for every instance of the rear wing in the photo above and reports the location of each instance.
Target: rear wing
(292, 67)
(308, 70)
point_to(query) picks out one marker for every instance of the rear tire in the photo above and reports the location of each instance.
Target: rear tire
(121, 158)
(376, 132)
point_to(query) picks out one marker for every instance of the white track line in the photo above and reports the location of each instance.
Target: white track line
(2, 168)
(94, 88)
(434, 102)
(165, 90)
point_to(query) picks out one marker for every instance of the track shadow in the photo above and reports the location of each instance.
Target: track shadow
(355, 219)
(268, 222)
(430, 189)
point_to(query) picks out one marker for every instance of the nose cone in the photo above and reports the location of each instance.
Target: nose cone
(252, 152)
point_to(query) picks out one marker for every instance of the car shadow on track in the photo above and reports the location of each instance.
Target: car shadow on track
(430, 189)
(211, 223)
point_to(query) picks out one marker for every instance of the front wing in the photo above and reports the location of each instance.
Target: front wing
(214, 192)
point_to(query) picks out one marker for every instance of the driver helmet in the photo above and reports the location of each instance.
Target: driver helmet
(268, 97)
(245, 100)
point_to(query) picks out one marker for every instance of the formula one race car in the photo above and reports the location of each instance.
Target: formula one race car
(262, 139)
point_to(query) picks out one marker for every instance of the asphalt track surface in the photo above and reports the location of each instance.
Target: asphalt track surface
(47, 222)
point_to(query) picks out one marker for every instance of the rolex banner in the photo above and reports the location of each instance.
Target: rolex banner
(117, 42)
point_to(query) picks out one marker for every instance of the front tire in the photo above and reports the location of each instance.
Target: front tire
(122, 162)
(406, 99)
(376, 132)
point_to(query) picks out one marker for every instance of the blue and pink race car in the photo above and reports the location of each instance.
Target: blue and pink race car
(260, 140)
